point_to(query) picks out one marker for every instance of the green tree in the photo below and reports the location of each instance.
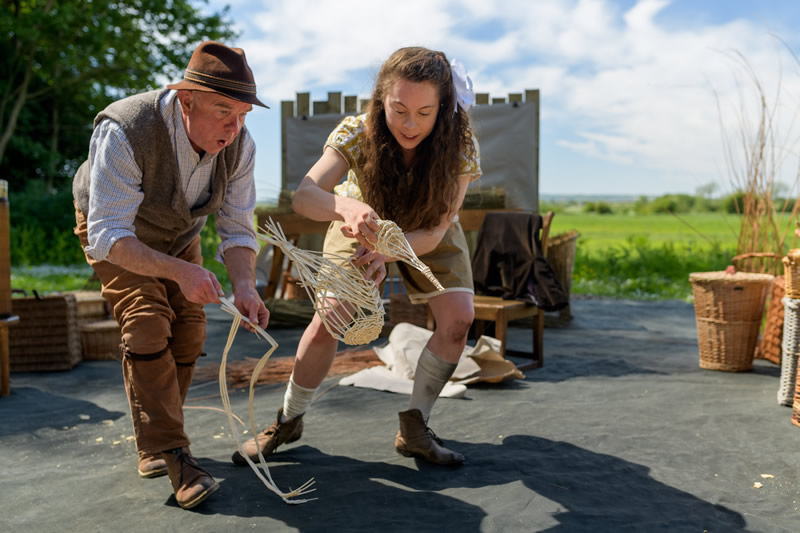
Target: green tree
(706, 191)
(63, 61)
(603, 208)
(734, 203)
(673, 203)
(642, 205)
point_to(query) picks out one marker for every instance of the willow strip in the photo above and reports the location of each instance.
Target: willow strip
(349, 306)
(393, 243)
(228, 307)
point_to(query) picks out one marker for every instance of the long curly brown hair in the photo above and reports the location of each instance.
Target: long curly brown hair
(415, 197)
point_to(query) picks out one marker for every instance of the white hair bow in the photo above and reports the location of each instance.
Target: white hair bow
(465, 96)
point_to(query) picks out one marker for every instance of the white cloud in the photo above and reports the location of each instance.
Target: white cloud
(617, 85)
(304, 44)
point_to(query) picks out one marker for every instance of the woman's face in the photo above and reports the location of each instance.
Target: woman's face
(411, 110)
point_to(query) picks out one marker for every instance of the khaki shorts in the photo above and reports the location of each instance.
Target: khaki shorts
(449, 262)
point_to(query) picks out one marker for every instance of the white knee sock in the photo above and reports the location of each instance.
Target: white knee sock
(296, 400)
(429, 379)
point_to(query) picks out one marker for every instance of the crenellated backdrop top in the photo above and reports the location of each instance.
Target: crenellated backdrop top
(507, 131)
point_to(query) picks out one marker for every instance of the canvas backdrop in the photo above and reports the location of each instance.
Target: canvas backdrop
(507, 134)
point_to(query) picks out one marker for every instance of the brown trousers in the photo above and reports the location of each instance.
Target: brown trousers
(162, 336)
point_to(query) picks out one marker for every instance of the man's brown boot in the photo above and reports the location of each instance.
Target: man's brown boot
(151, 465)
(269, 439)
(191, 484)
(415, 439)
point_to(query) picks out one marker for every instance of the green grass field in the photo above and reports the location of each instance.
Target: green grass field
(599, 232)
(49, 278)
(643, 257)
(646, 257)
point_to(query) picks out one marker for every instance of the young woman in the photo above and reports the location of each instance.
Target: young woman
(408, 159)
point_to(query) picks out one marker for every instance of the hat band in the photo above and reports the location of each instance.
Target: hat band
(220, 83)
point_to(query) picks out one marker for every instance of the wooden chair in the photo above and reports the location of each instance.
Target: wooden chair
(501, 312)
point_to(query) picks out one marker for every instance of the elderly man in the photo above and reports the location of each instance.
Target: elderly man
(158, 164)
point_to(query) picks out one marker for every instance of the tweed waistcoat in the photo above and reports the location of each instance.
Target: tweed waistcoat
(163, 221)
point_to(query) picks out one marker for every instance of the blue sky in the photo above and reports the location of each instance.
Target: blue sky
(635, 95)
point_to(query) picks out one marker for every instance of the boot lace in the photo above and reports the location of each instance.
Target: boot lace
(432, 435)
(184, 459)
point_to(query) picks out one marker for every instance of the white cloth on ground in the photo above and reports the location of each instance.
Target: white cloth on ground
(481, 362)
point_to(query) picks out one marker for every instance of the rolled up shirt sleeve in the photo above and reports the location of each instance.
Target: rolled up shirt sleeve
(235, 217)
(115, 189)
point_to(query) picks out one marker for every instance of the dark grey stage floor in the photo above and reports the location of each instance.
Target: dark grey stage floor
(620, 430)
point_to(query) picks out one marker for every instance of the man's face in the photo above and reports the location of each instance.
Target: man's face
(212, 121)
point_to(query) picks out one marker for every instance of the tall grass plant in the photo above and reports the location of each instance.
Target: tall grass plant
(758, 149)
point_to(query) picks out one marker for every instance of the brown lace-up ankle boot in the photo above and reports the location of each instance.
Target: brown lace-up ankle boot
(151, 465)
(192, 484)
(415, 439)
(269, 439)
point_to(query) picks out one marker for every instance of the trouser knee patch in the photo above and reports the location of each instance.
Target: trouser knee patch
(143, 356)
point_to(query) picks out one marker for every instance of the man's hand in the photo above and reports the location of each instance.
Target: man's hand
(198, 284)
(250, 304)
(241, 265)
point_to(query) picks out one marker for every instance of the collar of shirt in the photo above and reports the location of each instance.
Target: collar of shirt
(195, 172)
(171, 111)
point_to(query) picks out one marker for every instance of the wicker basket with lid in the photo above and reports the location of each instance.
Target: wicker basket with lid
(728, 308)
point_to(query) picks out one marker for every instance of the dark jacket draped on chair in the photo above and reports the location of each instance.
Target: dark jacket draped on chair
(509, 262)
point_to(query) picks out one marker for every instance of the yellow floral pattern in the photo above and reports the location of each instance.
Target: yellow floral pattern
(346, 139)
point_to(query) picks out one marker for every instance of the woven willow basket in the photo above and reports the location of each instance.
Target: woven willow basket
(769, 347)
(91, 306)
(791, 271)
(101, 340)
(796, 404)
(791, 350)
(402, 310)
(728, 309)
(796, 413)
(561, 256)
(47, 336)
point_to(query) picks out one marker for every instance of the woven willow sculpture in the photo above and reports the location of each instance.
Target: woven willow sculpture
(228, 307)
(357, 317)
(393, 243)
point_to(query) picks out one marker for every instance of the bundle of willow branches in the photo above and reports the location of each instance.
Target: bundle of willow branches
(756, 155)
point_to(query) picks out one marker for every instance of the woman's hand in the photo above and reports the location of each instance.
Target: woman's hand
(361, 223)
(375, 264)
(313, 199)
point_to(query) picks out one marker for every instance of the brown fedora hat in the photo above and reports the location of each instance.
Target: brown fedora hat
(217, 68)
